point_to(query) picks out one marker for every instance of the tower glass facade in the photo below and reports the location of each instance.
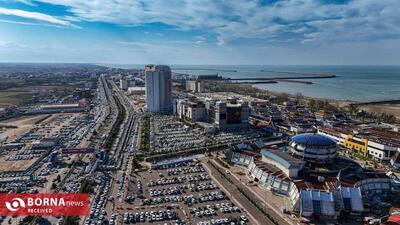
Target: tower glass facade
(158, 88)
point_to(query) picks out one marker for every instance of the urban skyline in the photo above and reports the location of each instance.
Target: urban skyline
(139, 146)
(199, 112)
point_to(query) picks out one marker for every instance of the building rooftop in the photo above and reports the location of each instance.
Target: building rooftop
(248, 153)
(60, 106)
(310, 139)
(282, 158)
(152, 67)
(375, 134)
(271, 169)
(137, 88)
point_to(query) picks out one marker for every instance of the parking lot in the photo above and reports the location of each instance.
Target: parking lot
(180, 193)
(169, 135)
(230, 136)
(29, 149)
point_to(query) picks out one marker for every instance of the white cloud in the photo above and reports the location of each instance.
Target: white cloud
(36, 16)
(27, 2)
(220, 40)
(310, 19)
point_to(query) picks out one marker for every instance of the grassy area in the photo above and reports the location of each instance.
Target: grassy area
(13, 98)
(115, 128)
(145, 134)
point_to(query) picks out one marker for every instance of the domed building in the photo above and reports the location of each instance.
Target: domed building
(313, 148)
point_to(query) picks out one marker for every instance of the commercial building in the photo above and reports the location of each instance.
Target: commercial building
(367, 141)
(158, 88)
(194, 86)
(123, 84)
(191, 110)
(46, 143)
(316, 181)
(136, 90)
(288, 164)
(209, 77)
(59, 108)
(313, 148)
(232, 113)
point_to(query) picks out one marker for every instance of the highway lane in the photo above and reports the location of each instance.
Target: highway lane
(239, 185)
(256, 214)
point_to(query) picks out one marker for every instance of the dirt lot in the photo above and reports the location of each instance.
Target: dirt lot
(13, 98)
(384, 108)
(24, 124)
(18, 95)
(21, 165)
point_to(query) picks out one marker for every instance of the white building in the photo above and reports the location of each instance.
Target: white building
(158, 88)
(374, 142)
(191, 110)
(194, 86)
(136, 90)
(123, 84)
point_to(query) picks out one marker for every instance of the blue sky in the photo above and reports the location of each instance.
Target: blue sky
(271, 32)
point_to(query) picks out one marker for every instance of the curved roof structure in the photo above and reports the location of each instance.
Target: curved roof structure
(310, 139)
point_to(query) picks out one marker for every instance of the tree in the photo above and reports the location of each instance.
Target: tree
(26, 220)
(362, 114)
(312, 104)
(86, 187)
(299, 97)
(353, 109)
(320, 104)
(72, 220)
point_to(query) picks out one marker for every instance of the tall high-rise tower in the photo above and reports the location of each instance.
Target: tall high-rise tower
(158, 88)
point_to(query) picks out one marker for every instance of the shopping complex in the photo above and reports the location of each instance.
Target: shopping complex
(315, 178)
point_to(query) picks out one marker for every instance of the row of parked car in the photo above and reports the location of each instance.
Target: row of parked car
(211, 196)
(196, 168)
(179, 189)
(97, 213)
(165, 181)
(172, 165)
(242, 220)
(227, 207)
(160, 200)
(179, 180)
(165, 191)
(152, 216)
(171, 135)
(202, 186)
(204, 197)
(139, 186)
(234, 135)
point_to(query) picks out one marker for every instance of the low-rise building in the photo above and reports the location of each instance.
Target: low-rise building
(288, 164)
(369, 141)
(194, 86)
(58, 108)
(136, 90)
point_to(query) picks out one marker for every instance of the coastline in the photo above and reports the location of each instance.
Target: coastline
(378, 108)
